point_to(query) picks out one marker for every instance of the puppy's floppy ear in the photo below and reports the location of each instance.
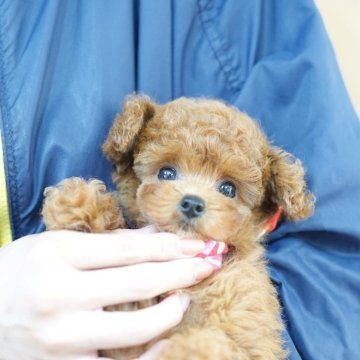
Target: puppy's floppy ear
(122, 136)
(286, 185)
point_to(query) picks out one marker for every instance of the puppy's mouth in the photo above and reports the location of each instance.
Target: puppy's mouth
(185, 228)
(189, 228)
(202, 227)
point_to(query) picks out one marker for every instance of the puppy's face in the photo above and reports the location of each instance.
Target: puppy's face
(205, 170)
(201, 167)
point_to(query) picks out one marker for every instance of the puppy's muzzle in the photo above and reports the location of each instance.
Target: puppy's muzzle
(192, 206)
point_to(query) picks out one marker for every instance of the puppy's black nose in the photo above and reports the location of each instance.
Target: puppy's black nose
(192, 206)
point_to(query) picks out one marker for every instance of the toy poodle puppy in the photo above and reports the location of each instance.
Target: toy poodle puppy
(201, 169)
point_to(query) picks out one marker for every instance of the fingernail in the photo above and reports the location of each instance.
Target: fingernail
(191, 247)
(184, 300)
(203, 270)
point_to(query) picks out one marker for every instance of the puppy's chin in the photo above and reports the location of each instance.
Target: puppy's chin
(241, 241)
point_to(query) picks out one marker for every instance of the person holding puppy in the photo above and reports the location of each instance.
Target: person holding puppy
(65, 67)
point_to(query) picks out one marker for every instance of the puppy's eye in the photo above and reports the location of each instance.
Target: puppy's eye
(167, 173)
(228, 189)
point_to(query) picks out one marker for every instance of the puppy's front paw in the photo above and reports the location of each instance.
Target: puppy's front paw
(76, 204)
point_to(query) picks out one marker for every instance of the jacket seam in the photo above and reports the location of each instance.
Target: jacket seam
(217, 44)
(8, 141)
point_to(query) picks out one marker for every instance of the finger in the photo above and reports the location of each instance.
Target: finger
(95, 357)
(155, 350)
(148, 229)
(85, 357)
(125, 247)
(82, 332)
(139, 282)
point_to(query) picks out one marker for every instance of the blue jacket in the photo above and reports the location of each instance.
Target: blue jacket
(66, 65)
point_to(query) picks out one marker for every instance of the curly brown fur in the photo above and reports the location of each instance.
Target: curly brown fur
(79, 205)
(235, 313)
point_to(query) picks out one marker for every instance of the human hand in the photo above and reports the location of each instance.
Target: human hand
(53, 286)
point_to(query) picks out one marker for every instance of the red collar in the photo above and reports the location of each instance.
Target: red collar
(271, 224)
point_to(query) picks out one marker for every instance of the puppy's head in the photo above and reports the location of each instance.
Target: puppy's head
(203, 169)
